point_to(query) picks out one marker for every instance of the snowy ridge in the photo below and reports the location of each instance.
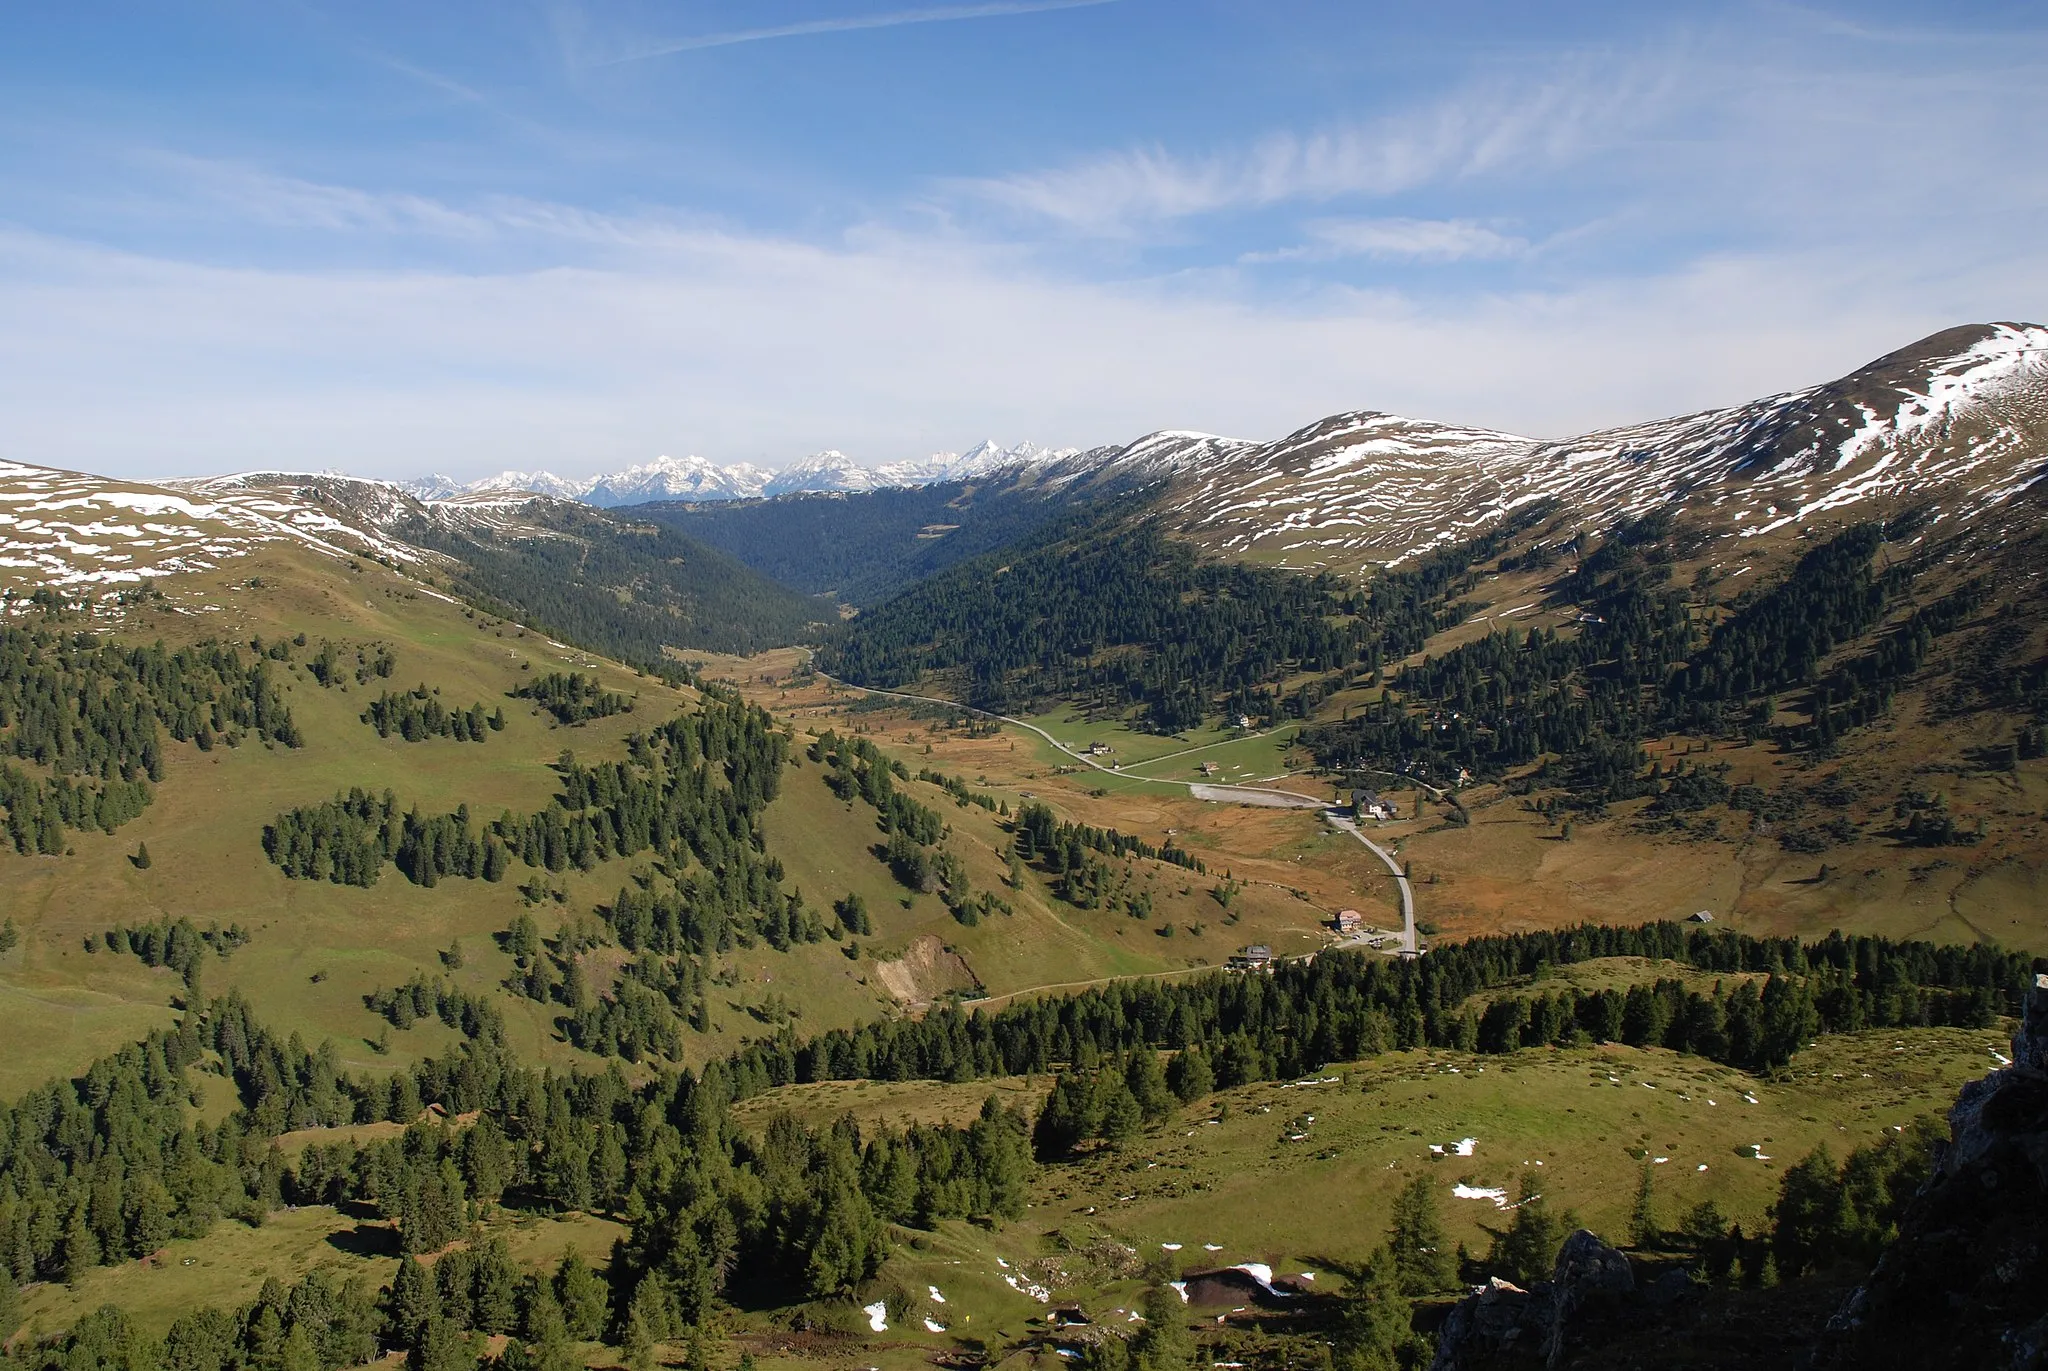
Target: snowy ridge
(694, 478)
(670, 478)
(65, 529)
(1958, 421)
(69, 530)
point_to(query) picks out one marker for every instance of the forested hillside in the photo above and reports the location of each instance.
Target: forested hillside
(625, 589)
(1115, 613)
(107, 1168)
(1108, 610)
(90, 718)
(865, 547)
(1798, 661)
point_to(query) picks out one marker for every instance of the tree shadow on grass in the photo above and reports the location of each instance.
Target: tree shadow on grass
(366, 1240)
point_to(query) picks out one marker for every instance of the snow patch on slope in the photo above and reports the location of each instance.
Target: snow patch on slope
(1956, 419)
(66, 529)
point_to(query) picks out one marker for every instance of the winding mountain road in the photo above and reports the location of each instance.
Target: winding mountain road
(1223, 794)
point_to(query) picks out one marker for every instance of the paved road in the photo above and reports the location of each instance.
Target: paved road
(1291, 799)
(1249, 794)
(1409, 946)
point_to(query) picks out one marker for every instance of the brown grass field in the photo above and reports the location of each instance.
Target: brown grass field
(1510, 870)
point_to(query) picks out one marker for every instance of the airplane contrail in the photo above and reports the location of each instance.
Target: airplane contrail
(932, 15)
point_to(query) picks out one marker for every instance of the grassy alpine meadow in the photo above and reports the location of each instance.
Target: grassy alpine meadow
(1503, 867)
(826, 845)
(229, 1265)
(1576, 1123)
(1300, 1175)
(894, 1105)
(1288, 862)
(317, 948)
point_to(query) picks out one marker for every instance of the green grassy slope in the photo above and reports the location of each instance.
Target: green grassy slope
(317, 948)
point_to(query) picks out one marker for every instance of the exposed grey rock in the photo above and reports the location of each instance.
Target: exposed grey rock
(1673, 1287)
(1589, 1273)
(1502, 1325)
(1965, 1284)
(2030, 1044)
(1505, 1326)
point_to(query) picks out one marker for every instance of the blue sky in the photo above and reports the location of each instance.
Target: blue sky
(394, 238)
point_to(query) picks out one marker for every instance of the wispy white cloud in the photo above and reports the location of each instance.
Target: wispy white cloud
(186, 186)
(760, 348)
(1507, 126)
(251, 195)
(1759, 224)
(935, 14)
(1414, 240)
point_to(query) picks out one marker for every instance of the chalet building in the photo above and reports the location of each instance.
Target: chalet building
(1257, 957)
(1367, 804)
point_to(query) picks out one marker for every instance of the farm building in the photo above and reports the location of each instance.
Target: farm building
(1257, 957)
(1367, 804)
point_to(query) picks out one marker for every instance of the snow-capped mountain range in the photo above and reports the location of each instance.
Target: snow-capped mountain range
(1954, 426)
(694, 478)
(1957, 422)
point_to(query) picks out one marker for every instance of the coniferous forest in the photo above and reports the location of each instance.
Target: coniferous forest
(1642, 664)
(628, 589)
(89, 717)
(863, 549)
(418, 714)
(663, 799)
(1109, 611)
(1119, 617)
(109, 1166)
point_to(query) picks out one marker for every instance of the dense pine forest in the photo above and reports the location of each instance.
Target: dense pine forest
(90, 716)
(626, 589)
(418, 714)
(109, 1166)
(694, 786)
(1112, 613)
(1645, 661)
(863, 548)
(1116, 616)
(573, 697)
(1343, 1006)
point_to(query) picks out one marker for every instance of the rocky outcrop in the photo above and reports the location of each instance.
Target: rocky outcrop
(1505, 1326)
(1590, 1278)
(1965, 1285)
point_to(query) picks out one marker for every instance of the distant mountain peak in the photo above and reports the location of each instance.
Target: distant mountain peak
(539, 482)
(1958, 419)
(1962, 411)
(696, 478)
